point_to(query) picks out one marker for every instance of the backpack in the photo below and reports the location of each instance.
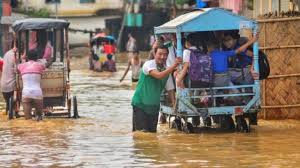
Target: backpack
(200, 67)
(264, 67)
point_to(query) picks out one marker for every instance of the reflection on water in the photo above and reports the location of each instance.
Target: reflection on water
(102, 136)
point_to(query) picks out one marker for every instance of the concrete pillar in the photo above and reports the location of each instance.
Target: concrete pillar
(6, 36)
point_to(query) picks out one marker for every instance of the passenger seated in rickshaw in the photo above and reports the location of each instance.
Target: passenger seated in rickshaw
(43, 46)
(97, 64)
(220, 61)
(240, 64)
(109, 65)
(32, 95)
(197, 65)
(241, 67)
(99, 50)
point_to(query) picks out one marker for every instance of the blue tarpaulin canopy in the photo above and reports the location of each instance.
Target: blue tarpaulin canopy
(206, 19)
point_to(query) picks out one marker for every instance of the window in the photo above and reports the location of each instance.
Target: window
(87, 1)
(52, 1)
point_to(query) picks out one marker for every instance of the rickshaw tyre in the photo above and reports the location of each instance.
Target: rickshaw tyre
(241, 124)
(227, 123)
(188, 128)
(208, 122)
(195, 121)
(10, 109)
(69, 105)
(176, 124)
(75, 108)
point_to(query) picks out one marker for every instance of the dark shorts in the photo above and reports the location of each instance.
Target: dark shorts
(142, 121)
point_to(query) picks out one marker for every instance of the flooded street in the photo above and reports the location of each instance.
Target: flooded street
(102, 137)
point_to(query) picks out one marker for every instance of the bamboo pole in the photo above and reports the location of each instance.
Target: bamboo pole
(277, 20)
(264, 81)
(270, 5)
(279, 47)
(261, 7)
(284, 76)
(281, 106)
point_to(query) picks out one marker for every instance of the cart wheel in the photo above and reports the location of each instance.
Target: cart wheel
(207, 122)
(163, 118)
(188, 128)
(227, 123)
(75, 109)
(252, 119)
(216, 119)
(69, 104)
(241, 124)
(177, 124)
(195, 121)
(10, 107)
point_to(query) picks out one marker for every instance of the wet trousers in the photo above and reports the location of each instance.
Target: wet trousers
(142, 121)
(7, 96)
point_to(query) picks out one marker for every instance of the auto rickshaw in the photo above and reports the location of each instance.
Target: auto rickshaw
(55, 83)
(100, 46)
(208, 21)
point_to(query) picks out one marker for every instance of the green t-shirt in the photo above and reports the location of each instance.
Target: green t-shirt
(148, 90)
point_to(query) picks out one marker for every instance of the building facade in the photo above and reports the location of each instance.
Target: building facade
(264, 6)
(5, 33)
(73, 7)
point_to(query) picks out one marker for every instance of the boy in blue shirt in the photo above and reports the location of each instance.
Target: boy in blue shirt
(239, 65)
(220, 61)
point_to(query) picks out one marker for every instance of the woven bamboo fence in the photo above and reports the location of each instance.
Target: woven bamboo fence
(280, 40)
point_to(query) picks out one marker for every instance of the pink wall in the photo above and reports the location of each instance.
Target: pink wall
(234, 5)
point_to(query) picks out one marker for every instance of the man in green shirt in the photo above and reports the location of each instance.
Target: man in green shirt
(146, 99)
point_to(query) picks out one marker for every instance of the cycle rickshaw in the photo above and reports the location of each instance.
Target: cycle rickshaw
(55, 82)
(206, 21)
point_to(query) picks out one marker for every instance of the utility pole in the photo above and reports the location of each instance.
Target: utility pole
(26, 6)
(56, 8)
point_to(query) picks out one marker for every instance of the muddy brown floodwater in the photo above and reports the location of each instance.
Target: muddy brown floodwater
(102, 137)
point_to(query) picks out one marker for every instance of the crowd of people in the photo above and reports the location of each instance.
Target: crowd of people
(224, 60)
(102, 56)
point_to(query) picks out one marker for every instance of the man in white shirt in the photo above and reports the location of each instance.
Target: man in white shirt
(8, 79)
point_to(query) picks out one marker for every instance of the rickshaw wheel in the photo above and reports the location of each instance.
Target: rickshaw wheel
(196, 121)
(11, 109)
(227, 123)
(75, 109)
(207, 122)
(188, 128)
(241, 124)
(69, 104)
(177, 124)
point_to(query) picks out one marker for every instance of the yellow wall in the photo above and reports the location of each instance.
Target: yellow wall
(74, 7)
